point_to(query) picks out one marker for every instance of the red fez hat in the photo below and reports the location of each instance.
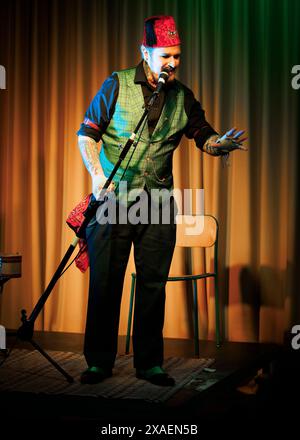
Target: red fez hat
(160, 31)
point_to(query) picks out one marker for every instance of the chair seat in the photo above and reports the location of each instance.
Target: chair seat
(190, 277)
(186, 277)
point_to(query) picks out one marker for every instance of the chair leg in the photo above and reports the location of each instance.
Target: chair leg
(196, 323)
(217, 311)
(132, 290)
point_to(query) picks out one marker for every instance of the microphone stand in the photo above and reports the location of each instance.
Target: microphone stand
(26, 330)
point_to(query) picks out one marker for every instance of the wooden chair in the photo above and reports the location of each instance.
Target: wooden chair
(192, 232)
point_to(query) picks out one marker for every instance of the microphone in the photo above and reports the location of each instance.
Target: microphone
(163, 77)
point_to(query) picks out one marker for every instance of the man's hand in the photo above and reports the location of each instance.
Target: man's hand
(219, 146)
(230, 141)
(98, 181)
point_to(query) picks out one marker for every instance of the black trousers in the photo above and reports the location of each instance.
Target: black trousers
(109, 247)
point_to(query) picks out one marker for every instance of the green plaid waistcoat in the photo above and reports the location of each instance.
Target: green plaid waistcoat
(151, 163)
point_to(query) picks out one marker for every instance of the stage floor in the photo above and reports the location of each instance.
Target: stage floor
(250, 384)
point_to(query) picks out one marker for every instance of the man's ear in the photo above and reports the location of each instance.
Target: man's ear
(145, 53)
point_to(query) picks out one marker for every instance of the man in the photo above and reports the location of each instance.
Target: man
(111, 117)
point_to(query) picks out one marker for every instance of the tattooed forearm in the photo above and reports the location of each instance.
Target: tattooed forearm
(90, 156)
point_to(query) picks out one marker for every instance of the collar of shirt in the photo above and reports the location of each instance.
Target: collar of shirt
(140, 76)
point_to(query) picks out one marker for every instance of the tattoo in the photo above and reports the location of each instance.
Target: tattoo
(208, 148)
(90, 155)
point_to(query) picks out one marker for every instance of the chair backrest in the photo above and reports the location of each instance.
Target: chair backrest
(196, 230)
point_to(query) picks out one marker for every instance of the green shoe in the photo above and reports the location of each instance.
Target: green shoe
(156, 375)
(94, 375)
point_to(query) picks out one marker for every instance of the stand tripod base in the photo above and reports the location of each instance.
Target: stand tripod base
(52, 361)
(24, 336)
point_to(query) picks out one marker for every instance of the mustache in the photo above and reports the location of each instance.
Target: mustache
(169, 68)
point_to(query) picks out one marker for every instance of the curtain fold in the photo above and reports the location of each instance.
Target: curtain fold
(237, 57)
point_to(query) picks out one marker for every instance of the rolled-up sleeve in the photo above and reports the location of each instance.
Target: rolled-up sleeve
(101, 109)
